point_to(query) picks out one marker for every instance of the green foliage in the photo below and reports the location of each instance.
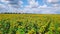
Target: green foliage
(29, 24)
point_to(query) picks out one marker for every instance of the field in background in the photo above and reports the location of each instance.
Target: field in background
(29, 24)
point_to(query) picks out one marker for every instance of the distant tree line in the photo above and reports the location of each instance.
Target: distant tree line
(14, 13)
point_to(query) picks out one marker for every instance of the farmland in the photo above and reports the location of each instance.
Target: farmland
(29, 24)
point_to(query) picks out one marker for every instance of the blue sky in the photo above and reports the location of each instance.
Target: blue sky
(30, 6)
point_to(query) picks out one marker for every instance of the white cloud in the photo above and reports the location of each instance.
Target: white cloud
(43, 6)
(33, 3)
(42, 9)
(53, 3)
(4, 1)
(32, 7)
(1, 5)
(3, 8)
(6, 7)
(13, 3)
(50, 10)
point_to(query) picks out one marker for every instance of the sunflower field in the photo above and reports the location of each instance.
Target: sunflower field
(29, 24)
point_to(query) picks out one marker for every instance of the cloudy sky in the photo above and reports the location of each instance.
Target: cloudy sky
(30, 6)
